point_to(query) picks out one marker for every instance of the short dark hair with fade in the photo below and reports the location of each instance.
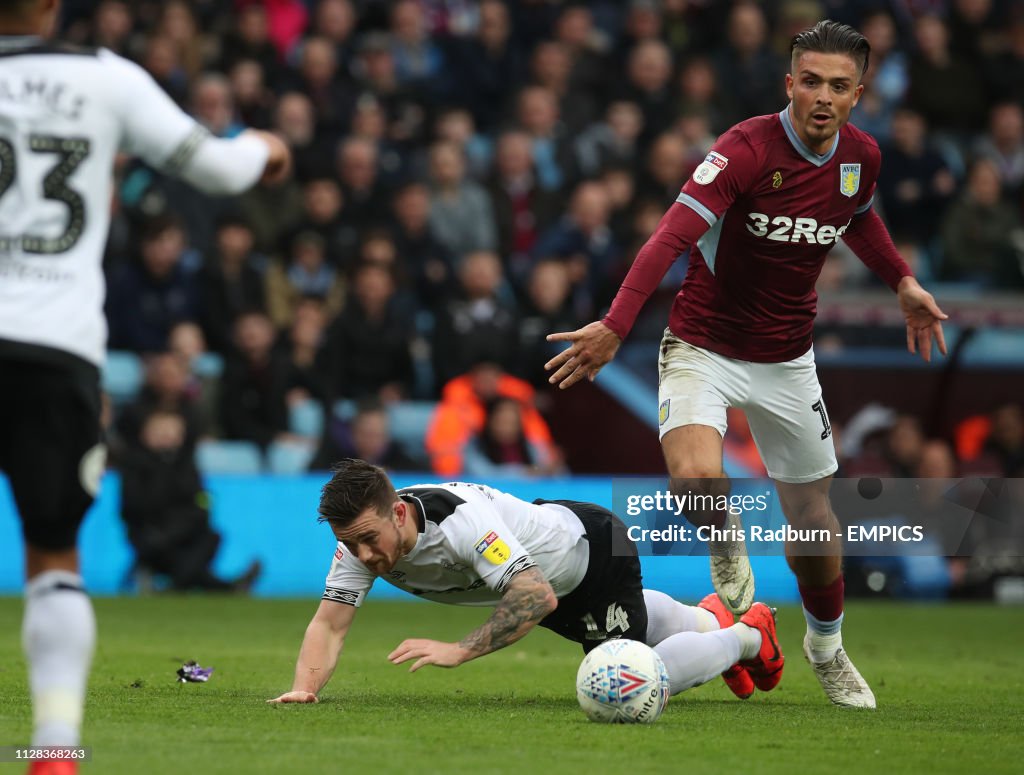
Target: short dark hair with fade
(829, 37)
(355, 486)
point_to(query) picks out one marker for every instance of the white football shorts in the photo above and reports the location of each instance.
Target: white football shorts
(782, 402)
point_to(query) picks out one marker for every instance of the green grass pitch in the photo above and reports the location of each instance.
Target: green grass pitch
(949, 682)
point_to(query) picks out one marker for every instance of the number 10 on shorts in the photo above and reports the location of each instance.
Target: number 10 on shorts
(819, 407)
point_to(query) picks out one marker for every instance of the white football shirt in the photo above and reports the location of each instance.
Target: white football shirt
(474, 540)
(65, 112)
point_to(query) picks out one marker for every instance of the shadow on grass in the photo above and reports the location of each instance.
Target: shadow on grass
(463, 701)
(370, 702)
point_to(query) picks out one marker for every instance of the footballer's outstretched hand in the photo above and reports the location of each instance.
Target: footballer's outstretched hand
(279, 158)
(428, 652)
(592, 347)
(295, 697)
(923, 316)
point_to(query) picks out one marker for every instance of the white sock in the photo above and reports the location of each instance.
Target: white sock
(750, 639)
(58, 635)
(694, 658)
(823, 638)
(666, 617)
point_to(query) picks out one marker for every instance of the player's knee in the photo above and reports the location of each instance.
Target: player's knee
(698, 492)
(699, 482)
(811, 514)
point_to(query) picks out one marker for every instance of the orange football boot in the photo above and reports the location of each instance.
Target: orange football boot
(737, 677)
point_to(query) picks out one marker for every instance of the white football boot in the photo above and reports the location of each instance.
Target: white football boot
(730, 569)
(842, 682)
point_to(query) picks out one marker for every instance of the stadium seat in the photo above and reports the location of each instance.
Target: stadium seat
(422, 362)
(409, 423)
(208, 366)
(122, 376)
(344, 409)
(306, 418)
(289, 457)
(228, 457)
(999, 348)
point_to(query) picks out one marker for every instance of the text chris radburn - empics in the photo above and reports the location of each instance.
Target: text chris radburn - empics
(678, 505)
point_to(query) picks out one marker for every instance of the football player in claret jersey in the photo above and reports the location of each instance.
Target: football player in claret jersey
(64, 114)
(760, 214)
(565, 565)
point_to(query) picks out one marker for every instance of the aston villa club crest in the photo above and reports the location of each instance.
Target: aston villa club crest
(849, 179)
(663, 411)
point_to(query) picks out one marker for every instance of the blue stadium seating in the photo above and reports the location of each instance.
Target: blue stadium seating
(208, 366)
(409, 423)
(122, 376)
(306, 419)
(344, 409)
(289, 457)
(228, 457)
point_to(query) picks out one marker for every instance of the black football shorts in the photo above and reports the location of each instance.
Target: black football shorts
(609, 601)
(50, 447)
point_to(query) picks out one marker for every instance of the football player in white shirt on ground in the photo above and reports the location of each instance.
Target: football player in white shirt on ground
(565, 565)
(65, 112)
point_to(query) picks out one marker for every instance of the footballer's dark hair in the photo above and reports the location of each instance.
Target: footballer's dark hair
(355, 486)
(829, 37)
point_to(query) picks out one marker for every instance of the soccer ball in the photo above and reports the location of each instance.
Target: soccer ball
(622, 682)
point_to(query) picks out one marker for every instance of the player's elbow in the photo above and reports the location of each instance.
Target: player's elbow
(548, 603)
(530, 594)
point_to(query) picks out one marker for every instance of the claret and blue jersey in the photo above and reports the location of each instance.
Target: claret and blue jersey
(775, 209)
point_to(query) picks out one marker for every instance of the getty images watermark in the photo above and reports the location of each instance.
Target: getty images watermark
(667, 502)
(924, 517)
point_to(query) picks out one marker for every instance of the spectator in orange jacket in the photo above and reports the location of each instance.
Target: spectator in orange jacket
(461, 415)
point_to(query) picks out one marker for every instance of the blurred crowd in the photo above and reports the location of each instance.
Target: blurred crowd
(472, 175)
(966, 491)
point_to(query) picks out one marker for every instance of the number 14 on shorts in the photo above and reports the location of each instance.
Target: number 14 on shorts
(615, 619)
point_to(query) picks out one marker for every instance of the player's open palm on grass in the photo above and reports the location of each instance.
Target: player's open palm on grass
(923, 317)
(295, 697)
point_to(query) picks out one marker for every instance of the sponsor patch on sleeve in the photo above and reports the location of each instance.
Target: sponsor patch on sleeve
(338, 554)
(708, 170)
(493, 549)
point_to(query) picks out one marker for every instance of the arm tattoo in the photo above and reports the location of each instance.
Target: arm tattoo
(526, 601)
